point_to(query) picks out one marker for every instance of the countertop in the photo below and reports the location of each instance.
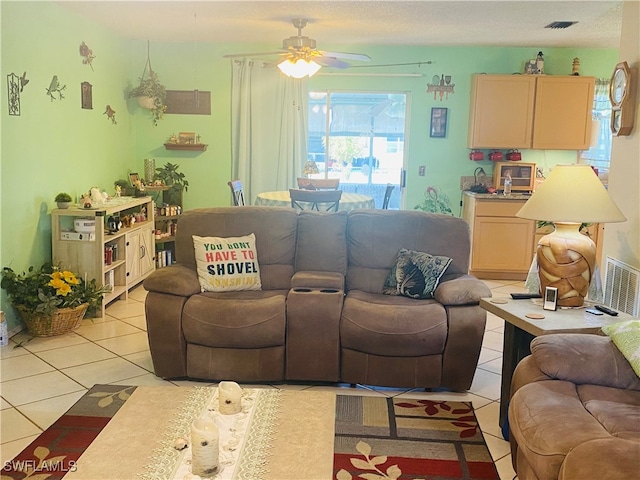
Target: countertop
(498, 196)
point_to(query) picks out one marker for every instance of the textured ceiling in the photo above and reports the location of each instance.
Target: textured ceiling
(488, 23)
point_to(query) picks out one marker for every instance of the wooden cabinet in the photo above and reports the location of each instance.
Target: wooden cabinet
(501, 112)
(501, 243)
(168, 210)
(121, 259)
(530, 111)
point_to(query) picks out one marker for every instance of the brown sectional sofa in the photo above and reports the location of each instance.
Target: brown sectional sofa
(575, 411)
(320, 315)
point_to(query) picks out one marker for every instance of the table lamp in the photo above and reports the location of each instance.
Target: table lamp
(310, 168)
(571, 195)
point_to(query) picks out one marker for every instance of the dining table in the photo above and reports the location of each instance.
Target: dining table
(348, 201)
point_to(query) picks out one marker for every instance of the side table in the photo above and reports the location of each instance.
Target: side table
(519, 330)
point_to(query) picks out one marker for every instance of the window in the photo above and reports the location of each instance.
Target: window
(599, 155)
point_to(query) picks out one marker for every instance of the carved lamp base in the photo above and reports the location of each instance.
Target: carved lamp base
(566, 260)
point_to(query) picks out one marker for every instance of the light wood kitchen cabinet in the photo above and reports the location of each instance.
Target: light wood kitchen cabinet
(530, 111)
(120, 259)
(501, 243)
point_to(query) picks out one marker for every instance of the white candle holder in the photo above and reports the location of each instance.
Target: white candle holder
(229, 398)
(205, 461)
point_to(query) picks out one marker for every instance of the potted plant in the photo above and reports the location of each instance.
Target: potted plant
(169, 176)
(51, 301)
(63, 200)
(151, 94)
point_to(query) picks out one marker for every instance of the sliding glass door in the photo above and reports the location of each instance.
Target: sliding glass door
(359, 138)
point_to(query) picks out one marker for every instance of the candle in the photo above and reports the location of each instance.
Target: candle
(229, 398)
(205, 461)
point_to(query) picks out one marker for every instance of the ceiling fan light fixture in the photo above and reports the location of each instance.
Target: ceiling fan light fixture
(298, 68)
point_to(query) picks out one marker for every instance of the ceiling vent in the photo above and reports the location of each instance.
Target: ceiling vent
(557, 25)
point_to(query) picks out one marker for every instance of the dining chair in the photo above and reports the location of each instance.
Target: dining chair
(237, 192)
(318, 183)
(387, 196)
(329, 200)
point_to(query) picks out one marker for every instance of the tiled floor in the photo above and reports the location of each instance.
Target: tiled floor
(44, 377)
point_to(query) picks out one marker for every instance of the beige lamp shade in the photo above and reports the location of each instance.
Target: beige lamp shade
(571, 195)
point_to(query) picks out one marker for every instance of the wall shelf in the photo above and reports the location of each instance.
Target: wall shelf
(192, 147)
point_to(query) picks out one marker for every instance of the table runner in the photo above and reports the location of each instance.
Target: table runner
(125, 446)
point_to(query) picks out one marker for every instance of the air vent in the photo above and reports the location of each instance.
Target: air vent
(560, 25)
(622, 287)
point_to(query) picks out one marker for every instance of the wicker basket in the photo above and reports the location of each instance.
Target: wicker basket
(61, 321)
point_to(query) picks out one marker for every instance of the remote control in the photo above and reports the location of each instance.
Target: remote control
(524, 296)
(606, 310)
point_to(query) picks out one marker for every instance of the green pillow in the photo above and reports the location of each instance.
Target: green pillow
(626, 336)
(415, 274)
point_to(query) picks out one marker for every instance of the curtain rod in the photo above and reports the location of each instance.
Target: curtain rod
(341, 74)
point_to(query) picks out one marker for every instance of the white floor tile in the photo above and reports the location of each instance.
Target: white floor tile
(487, 355)
(15, 426)
(10, 450)
(101, 331)
(105, 371)
(12, 350)
(4, 404)
(494, 322)
(494, 366)
(498, 447)
(142, 359)
(40, 344)
(139, 321)
(138, 293)
(38, 387)
(193, 383)
(125, 308)
(493, 340)
(488, 417)
(486, 384)
(45, 412)
(75, 355)
(505, 469)
(23, 366)
(126, 344)
(149, 380)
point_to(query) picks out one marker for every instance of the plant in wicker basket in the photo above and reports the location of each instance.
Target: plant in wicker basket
(51, 301)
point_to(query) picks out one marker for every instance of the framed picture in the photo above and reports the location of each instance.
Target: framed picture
(133, 178)
(187, 138)
(438, 122)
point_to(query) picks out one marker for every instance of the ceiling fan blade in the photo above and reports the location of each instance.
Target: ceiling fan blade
(331, 62)
(259, 54)
(349, 56)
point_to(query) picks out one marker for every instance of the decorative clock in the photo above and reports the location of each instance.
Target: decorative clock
(621, 94)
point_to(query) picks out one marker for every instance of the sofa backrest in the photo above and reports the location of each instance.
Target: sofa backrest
(321, 244)
(374, 238)
(274, 228)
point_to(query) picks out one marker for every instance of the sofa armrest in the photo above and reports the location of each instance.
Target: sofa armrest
(461, 290)
(313, 279)
(583, 359)
(174, 280)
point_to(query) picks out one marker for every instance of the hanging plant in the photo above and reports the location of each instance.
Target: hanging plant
(151, 94)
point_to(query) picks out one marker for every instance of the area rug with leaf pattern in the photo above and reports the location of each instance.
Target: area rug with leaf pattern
(376, 438)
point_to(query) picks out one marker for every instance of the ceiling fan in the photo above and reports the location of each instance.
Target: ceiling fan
(300, 56)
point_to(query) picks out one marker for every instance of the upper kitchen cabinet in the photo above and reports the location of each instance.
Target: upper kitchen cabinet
(531, 111)
(501, 113)
(562, 116)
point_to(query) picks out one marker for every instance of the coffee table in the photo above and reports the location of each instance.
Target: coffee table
(519, 330)
(300, 444)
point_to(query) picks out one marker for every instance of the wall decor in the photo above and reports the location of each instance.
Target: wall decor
(86, 95)
(438, 122)
(13, 92)
(88, 55)
(441, 85)
(190, 102)
(111, 114)
(55, 87)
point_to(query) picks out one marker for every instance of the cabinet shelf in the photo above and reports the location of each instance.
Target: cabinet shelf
(166, 239)
(113, 265)
(192, 147)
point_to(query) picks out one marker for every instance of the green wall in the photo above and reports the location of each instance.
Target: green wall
(57, 146)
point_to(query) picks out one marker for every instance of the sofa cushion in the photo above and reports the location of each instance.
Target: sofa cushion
(392, 325)
(616, 409)
(415, 274)
(254, 319)
(227, 264)
(626, 336)
(321, 245)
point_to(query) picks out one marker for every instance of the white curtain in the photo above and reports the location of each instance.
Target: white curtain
(269, 127)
